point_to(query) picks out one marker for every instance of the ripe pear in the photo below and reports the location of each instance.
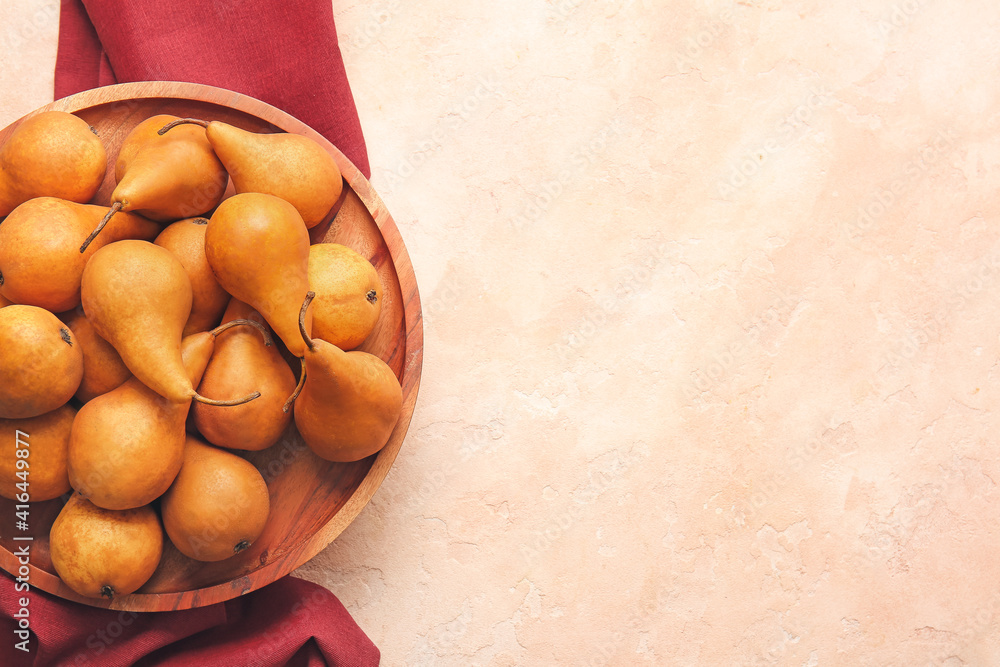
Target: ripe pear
(51, 154)
(41, 365)
(165, 178)
(217, 506)
(258, 249)
(4, 302)
(40, 259)
(186, 240)
(127, 446)
(105, 553)
(348, 288)
(44, 448)
(103, 368)
(243, 363)
(138, 297)
(349, 402)
(289, 166)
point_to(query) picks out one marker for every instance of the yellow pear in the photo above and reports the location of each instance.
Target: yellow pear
(33, 454)
(217, 506)
(103, 368)
(348, 295)
(349, 402)
(289, 166)
(186, 240)
(41, 365)
(258, 249)
(165, 178)
(40, 259)
(51, 154)
(105, 553)
(243, 363)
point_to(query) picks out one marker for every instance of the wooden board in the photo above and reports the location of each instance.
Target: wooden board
(312, 500)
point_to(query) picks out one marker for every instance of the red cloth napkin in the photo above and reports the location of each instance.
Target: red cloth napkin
(284, 52)
(290, 622)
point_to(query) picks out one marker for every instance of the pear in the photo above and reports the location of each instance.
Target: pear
(217, 506)
(103, 368)
(105, 553)
(186, 240)
(241, 364)
(41, 365)
(44, 443)
(127, 446)
(289, 166)
(138, 298)
(51, 154)
(349, 402)
(40, 259)
(165, 178)
(258, 249)
(347, 288)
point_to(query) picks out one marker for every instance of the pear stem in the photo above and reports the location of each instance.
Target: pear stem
(310, 295)
(235, 401)
(298, 387)
(117, 206)
(182, 121)
(257, 325)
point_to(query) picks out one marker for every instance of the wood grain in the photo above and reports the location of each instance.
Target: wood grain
(312, 500)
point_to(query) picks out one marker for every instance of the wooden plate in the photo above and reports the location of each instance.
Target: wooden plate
(312, 500)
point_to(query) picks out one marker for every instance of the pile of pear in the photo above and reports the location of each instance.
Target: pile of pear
(141, 342)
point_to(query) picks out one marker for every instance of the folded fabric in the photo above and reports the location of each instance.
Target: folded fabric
(283, 53)
(290, 622)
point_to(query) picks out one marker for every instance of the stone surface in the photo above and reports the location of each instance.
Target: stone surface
(711, 342)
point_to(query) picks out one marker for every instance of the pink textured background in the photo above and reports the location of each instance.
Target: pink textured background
(712, 336)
